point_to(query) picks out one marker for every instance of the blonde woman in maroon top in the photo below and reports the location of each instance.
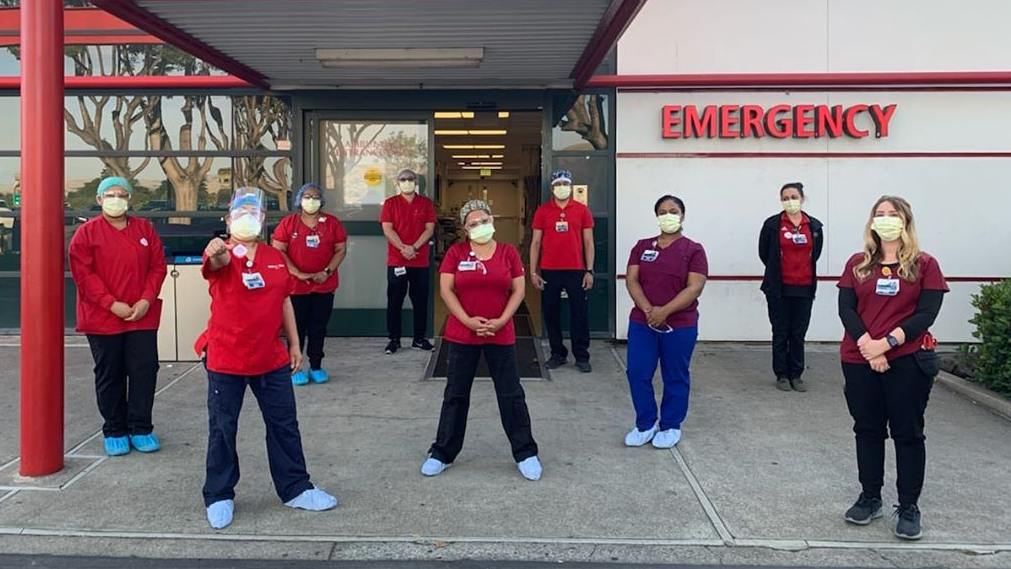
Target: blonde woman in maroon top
(889, 295)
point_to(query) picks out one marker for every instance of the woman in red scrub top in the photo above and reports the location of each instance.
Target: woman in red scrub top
(482, 282)
(250, 308)
(314, 245)
(665, 276)
(118, 266)
(889, 296)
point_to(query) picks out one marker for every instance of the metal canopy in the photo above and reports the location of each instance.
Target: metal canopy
(276, 43)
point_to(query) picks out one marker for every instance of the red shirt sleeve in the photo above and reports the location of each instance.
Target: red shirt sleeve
(451, 260)
(82, 268)
(847, 280)
(386, 214)
(157, 269)
(208, 274)
(698, 263)
(587, 218)
(636, 254)
(430, 214)
(539, 218)
(283, 231)
(514, 262)
(931, 276)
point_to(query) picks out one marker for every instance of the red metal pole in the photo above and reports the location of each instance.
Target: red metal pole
(41, 237)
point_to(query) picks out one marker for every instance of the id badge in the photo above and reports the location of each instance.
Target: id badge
(312, 241)
(887, 287)
(467, 266)
(253, 280)
(649, 255)
(562, 226)
(800, 239)
(399, 271)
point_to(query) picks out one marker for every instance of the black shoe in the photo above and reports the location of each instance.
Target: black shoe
(423, 345)
(864, 511)
(392, 347)
(907, 522)
(554, 362)
(798, 385)
(783, 384)
(584, 367)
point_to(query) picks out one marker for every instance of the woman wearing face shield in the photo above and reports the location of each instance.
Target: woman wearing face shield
(665, 276)
(314, 245)
(482, 282)
(118, 266)
(250, 306)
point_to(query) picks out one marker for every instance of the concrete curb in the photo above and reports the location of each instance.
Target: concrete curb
(976, 393)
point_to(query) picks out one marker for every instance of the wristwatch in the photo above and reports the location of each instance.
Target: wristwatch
(588, 271)
(892, 341)
(328, 271)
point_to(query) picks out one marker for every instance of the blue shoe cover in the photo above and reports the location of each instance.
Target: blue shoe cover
(530, 468)
(219, 514)
(318, 376)
(299, 378)
(314, 500)
(117, 446)
(433, 467)
(145, 443)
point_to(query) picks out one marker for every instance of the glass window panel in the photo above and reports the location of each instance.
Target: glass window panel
(593, 172)
(10, 65)
(585, 126)
(361, 161)
(361, 290)
(272, 174)
(10, 134)
(133, 59)
(261, 121)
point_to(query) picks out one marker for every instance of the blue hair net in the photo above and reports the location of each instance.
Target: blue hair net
(112, 181)
(561, 175)
(301, 192)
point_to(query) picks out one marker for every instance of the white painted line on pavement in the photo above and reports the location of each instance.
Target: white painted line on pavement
(32, 488)
(8, 495)
(84, 472)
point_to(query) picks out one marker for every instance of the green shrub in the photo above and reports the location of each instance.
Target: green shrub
(991, 358)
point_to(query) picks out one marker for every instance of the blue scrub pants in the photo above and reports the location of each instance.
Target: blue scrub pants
(673, 350)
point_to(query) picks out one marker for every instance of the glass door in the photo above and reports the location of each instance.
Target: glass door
(355, 161)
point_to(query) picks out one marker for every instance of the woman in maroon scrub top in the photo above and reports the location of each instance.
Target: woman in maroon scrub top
(889, 295)
(482, 282)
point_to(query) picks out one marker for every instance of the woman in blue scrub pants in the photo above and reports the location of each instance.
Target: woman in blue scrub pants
(665, 276)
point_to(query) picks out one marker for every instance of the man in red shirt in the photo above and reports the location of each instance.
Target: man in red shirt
(408, 221)
(119, 265)
(561, 258)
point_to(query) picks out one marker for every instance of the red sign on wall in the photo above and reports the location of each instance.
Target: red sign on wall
(779, 121)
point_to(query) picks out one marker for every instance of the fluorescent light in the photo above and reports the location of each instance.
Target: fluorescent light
(451, 132)
(400, 57)
(481, 167)
(454, 115)
(489, 146)
(490, 132)
(485, 132)
(496, 156)
(485, 163)
(466, 156)
(473, 146)
(503, 114)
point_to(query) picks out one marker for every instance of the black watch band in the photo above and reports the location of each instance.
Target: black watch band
(328, 271)
(892, 341)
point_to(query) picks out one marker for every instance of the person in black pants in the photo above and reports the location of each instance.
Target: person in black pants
(889, 295)
(789, 245)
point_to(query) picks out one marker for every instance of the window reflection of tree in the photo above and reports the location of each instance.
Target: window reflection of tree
(257, 117)
(587, 119)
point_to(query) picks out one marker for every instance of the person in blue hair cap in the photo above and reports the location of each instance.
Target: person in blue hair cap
(313, 244)
(561, 258)
(118, 265)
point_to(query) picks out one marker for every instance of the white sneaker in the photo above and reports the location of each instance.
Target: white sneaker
(433, 467)
(637, 438)
(667, 439)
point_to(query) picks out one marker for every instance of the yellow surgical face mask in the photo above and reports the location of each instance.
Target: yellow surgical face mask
(887, 227)
(792, 206)
(114, 206)
(310, 205)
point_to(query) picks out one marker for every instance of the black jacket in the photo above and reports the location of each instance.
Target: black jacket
(769, 252)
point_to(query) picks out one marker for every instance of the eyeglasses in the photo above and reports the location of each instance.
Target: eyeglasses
(477, 223)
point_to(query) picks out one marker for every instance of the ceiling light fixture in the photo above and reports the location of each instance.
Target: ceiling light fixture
(480, 132)
(481, 167)
(503, 114)
(454, 115)
(408, 57)
(474, 146)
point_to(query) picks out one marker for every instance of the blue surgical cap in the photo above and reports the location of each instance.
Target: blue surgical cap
(113, 181)
(303, 190)
(561, 175)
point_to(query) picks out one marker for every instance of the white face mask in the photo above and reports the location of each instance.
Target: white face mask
(311, 205)
(407, 187)
(246, 227)
(114, 207)
(669, 222)
(562, 192)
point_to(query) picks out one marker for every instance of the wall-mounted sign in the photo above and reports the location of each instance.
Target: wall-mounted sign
(373, 176)
(581, 193)
(779, 121)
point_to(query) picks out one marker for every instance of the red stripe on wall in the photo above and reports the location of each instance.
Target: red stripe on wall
(814, 154)
(758, 278)
(801, 79)
(828, 89)
(141, 82)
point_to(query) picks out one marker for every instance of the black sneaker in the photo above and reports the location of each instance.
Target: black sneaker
(798, 385)
(554, 362)
(392, 347)
(783, 384)
(423, 345)
(907, 522)
(584, 367)
(864, 511)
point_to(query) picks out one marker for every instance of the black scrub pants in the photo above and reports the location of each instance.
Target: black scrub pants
(415, 282)
(579, 314)
(276, 398)
(126, 371)
(790, 317)
(512, 405)
(312, 314)
(890, 403)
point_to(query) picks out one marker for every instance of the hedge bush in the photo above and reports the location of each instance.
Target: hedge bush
(991, 358)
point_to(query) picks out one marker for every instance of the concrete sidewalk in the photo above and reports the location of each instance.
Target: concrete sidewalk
(760, 476)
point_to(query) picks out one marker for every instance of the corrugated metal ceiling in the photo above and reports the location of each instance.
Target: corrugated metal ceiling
(530, 43)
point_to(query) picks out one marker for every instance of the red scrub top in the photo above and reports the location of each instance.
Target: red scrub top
(311, 248)
(881, 313)
(796, 246)
(562, 243)
(243, 336)
(408, 219)
(483, 288)
(663, 274)
(111, 265)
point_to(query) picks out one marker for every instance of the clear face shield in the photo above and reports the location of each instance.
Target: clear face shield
(246, 213)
